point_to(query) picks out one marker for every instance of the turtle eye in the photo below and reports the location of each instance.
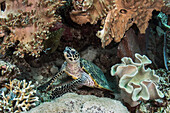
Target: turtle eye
(72, 52)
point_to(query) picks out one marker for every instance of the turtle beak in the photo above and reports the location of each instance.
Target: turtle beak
(66, 50)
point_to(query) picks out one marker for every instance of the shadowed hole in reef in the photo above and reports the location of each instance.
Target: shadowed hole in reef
(130, 20)
(0, 72)
(123, 11)
(12, 48)
(3, 6)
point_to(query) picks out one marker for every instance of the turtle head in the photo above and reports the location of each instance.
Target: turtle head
(71, 55)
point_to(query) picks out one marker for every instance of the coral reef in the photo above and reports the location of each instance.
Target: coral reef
(25, 24)
(8, 71)
(38, 31)
(135, 81)
(17, 96)
(117, 16)
(73, 103)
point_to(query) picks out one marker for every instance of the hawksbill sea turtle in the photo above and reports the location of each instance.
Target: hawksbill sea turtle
(84, 73)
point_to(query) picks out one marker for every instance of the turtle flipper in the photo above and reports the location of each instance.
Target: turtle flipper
(59, 91)
(49, 83)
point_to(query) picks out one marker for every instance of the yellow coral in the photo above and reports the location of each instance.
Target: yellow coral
(17, 97)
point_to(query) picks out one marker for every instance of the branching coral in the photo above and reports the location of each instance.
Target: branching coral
(117, 15)
(19, 96)
(136, 81)
(8, 71)
(28, 23)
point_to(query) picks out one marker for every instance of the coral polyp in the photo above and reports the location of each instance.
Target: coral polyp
(8, 71)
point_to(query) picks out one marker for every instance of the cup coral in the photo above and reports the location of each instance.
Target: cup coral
(117, 16)
(17, 96)
(136, 81)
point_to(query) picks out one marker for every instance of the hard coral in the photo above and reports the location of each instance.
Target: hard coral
(136, 81)
(117, 15)
(28, 24)
(18, 96)
(8, 71)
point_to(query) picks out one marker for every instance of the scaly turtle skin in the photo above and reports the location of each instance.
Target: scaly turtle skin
(82, 71)
(95, 73)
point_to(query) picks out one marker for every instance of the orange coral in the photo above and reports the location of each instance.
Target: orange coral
(28, 22)
(117, 15)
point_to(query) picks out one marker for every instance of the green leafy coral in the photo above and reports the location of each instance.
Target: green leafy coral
(53, 42)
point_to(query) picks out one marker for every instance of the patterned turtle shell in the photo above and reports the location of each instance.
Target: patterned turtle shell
(95, 73)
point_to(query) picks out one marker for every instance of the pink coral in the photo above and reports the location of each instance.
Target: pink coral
(29, 22)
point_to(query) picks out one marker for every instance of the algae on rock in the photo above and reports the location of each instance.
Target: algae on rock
(74, 103)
